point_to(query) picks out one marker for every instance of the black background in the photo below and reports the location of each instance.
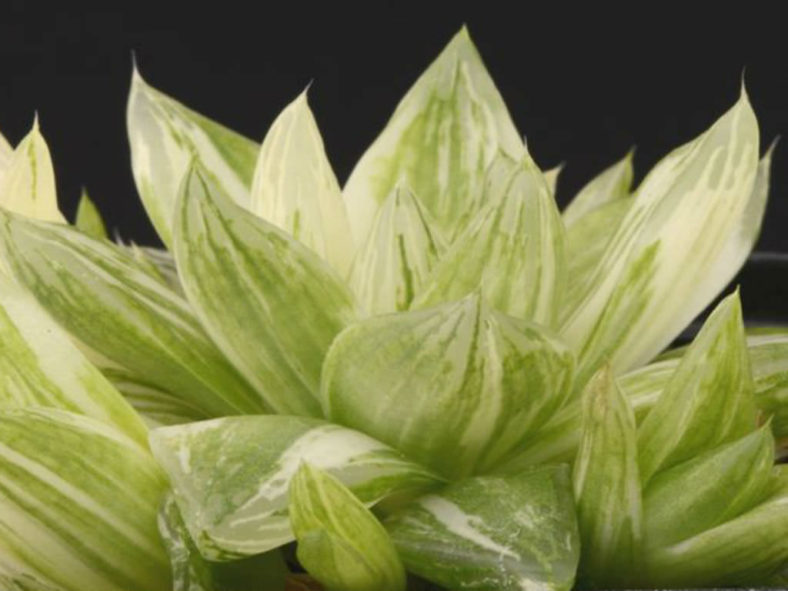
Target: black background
(582, 85)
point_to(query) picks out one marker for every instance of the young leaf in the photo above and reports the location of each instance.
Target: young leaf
(672, 252)
(88, 218)
(231, 475)
(513, 250)
(271, 305)
(340, 542)
(607, 485)
(439, 141)
(27, 185)
(165, 137)
(612, 184)
(456, 387)
(551, 177)
(516, 533)
(295, 189)
(6, 153)
(708, 490)
(39, 366)
(398, 256)
(78, 504)
(103, 298)
(709, 399)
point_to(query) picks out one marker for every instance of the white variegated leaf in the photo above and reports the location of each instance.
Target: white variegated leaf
(295, 188)
(270, 304)
(398, 256)
(671, 254)
(89, 219)
(6, 153)
(231, 475)
(165, 137)
(27, 185)
(78, 504)
(39, 366)
(340, 542)
(610, 185)
(439, 141)
(515, 533)
(456, 387)
(99, 293)
(551, 176)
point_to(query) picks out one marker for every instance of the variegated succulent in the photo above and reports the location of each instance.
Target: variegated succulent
(427, 379)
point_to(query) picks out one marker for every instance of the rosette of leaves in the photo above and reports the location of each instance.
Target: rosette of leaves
(427, 379)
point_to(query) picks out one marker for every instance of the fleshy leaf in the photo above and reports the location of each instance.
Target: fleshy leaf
(607, 485)
(709, 399)
(340, 542)
(39, 366)
(165, 137)
(78, 504)
(88, 218)
(612, 184)
(672, 253)
(456, 387)
(398, 256)
(511, 533)
(231, 475)
(439, 141)
(513, 250)
(27, 186)
(271, 305)
(6, 153)
(708, 490)
(295, 188)
(103, 298)
(551, 176)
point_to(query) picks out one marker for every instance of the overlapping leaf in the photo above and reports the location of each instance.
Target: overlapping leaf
(89, 219)
(6, 152)
(612, 184)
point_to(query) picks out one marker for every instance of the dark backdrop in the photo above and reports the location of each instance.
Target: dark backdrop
(584, 86)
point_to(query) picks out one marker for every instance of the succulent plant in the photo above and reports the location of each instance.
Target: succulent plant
(427, 379)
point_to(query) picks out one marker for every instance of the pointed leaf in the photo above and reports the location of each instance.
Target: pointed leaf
(514, 250)
(27, 186)
(231, 475)
(340, 542)
(89, 219)
(39, 366)
(671, 254)
(163, 263)
(551, 176)
(6, 153)
(295, 189)
(440, 140)
(398, 256)
(513, 533)
(709, 489)
(456, 387)
(101, 296)
(78, 504)
(607, 485)
(612, 184)
(165, 137)
(709, 399)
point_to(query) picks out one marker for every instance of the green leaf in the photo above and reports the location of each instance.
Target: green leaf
(99, 293)
(708, 490)
(295, 188)
(439, 141)
(340, 542)
(39, 366)
(78, 504)
(607, 485)
(398, 256)
(27, 186)
(612, 184)
(551, 176)
(165, 137)
(271, 305)
(709, 399)
(513, 250)
(161, 263)
(89, 219)
(512, 533)
(674, 250)
(6, 153)
(456, 387)
(231, 475)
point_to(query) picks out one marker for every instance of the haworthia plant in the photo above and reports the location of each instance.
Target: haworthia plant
(427, 380)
